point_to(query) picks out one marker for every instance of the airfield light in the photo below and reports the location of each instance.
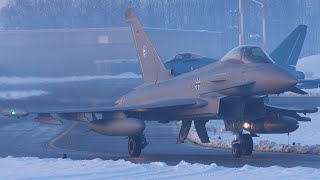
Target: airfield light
(246, 125)
(13, 113)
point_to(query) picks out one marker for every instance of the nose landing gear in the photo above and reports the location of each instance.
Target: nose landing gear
(242, 145)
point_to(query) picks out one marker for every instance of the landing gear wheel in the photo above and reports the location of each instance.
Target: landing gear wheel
(242, 145)
(134, 146)
(247, 144)
(236, 149)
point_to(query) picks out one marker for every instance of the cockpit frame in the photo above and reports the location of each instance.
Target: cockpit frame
(248, 55)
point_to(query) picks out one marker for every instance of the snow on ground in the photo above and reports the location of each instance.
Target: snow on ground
(309, 65)
(37, 80)
(306, 138)
(9, 95)
(35, 168)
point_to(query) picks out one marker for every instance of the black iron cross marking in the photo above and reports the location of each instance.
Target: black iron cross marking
(197, 84)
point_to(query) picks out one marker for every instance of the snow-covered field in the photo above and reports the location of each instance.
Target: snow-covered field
(305, 139)
(38, 80)
(9, 95)
(35, 168)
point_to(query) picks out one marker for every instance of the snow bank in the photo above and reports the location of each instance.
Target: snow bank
(262, 145)
(35, 168)
(38, 80)
(305, 140)
(268, 146)
(13, 95)
(309, 65)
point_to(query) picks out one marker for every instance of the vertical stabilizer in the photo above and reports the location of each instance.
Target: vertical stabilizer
(288, 52)
(151, 65)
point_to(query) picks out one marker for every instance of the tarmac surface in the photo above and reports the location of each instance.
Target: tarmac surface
(24, 137)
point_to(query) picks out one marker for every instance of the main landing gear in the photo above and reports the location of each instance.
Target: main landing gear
(136, 143)
(242, 145)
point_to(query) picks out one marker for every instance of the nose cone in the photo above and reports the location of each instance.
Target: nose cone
(279, 80)
(286, 79)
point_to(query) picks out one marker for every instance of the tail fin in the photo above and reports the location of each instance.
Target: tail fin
(288, 52)
(151, 65)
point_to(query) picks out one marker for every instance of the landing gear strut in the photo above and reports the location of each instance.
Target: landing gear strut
(136, 143)
(242, 145)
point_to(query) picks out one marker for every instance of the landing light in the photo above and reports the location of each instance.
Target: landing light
(13, 113)
(246, 125)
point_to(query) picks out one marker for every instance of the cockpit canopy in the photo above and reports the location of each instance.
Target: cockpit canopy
(247, 55)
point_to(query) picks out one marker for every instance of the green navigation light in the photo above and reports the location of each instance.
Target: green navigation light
(13, 112)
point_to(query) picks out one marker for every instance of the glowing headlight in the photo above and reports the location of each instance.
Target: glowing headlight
(246, 125)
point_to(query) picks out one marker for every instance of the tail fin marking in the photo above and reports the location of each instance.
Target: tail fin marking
(152, 67)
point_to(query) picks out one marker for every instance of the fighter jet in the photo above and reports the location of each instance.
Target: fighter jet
(285, 55)
(232, 89)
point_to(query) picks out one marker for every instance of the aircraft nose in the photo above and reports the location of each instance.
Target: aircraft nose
(287, 79)
(284, 80)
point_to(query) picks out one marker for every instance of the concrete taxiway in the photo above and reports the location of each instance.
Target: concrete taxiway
(28, 138)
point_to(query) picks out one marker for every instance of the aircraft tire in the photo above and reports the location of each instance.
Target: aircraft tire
(134, 146)
(247, 144)
(236, 149)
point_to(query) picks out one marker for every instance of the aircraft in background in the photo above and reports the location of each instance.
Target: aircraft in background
(186, 62)
(232, 89)
(286, 56)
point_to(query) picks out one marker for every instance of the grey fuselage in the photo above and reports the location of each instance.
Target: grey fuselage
(226, 78)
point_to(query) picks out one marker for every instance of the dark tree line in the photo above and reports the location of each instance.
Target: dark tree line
(191, 14)
(213, 15)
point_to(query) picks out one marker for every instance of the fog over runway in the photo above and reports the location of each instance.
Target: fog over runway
(24, 137)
